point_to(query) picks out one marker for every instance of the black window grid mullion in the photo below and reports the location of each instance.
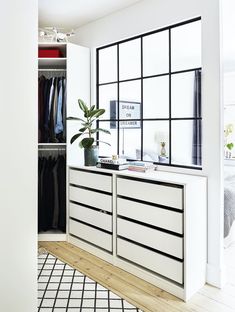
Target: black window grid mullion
(151, 76)
(170, 97)
(141, 78)
(118, 99)
(153, 119)
(141, 102)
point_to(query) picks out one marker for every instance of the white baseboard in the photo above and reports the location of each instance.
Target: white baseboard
(52, 237)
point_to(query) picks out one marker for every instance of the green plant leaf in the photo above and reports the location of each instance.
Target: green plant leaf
(83, 107)
(92, 108)
(97, 112)
(230, 146)
(83, 129)
(75, 137)
(87, 142)
(100, 129)
(80, 144)
(75, 118)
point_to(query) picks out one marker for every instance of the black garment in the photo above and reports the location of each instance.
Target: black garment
(52, 193)
(41, 107)
(48, 96)
(62, 193)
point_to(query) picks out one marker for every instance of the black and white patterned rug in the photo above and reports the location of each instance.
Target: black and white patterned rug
(62, 288)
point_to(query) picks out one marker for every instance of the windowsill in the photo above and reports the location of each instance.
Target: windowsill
(229, 161)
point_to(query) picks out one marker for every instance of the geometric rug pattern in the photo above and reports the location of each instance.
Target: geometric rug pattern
(61, 288)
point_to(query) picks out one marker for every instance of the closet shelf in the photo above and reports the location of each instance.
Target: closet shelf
(46, 63)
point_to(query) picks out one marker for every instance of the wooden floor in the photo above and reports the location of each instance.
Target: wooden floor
(137, 292)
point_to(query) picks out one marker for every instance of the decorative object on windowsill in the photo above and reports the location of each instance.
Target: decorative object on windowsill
(163, 149)
(91, 115)
(228, 144)
(163, 159)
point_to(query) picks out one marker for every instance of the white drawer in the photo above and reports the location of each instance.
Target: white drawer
(160, 217)
(89, 234)
(90, 198)
(144, 235)
(153, 261)
(93, 180)
(99, 219)
(155, 193)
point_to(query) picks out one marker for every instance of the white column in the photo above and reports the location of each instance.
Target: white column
(18, 155)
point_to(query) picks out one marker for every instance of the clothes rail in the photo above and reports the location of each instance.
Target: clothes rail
(52, 149)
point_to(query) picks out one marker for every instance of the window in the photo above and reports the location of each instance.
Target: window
(150, 86)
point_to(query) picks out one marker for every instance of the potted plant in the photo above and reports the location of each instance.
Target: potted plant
(228, 144)
(91, 115)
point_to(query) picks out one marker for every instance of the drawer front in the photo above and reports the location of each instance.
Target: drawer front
(153, 261)
(93, 217)
(159, 217)
(90, 198)
(155, 193)
(167, 243)
(89, 234)
(93, 180)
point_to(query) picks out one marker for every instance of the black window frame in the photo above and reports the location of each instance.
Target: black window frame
(141, 78)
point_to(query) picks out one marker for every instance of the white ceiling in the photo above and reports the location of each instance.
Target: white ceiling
(71, 14)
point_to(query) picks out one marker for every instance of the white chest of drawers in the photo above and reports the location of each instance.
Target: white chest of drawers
(152, 225)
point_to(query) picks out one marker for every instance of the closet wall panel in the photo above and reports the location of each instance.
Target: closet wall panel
(78, 87)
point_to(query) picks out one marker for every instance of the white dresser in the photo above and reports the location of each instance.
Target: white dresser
(152, 224)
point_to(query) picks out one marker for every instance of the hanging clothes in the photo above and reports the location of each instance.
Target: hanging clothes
(51, 109)
(52, 193)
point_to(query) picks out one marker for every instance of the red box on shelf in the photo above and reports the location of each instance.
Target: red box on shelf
(49, 53)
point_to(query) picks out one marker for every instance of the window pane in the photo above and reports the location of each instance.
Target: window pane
(186, 95)
(186, 142)
(156, 141)
(104, 149)
(186, 46)
(108, 64)
(130, 99)
(156, 53)
(156, 97)
(130, 140)
(107, 96)
(129, 60)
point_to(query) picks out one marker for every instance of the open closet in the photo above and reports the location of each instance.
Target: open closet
(63, 76)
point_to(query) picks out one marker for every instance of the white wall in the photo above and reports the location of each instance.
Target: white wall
(148, 15)
(18, 157)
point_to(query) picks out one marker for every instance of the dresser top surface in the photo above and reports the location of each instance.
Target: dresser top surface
(156, 175)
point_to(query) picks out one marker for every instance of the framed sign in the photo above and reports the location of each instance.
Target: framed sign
(127, 110)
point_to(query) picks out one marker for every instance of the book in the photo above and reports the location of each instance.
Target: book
(113, 166)
(120, 161)
(141, 166)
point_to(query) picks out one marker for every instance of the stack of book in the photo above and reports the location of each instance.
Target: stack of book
(141, 166)
(109, 163)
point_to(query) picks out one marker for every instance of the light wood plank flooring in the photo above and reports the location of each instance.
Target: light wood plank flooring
(139, 293)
